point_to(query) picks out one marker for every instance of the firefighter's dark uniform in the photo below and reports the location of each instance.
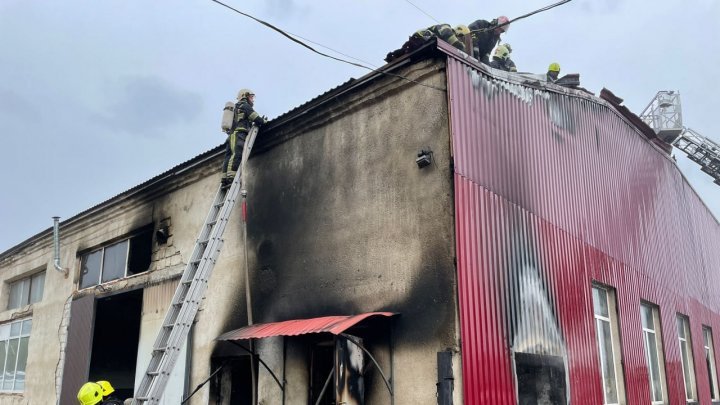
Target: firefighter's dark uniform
(245, 116)
(483, 42)
(416, 40)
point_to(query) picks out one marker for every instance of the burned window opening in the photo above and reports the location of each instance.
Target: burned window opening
(540, 379)
(118, 259)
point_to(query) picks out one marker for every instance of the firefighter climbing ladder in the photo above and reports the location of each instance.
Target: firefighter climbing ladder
(191, 290)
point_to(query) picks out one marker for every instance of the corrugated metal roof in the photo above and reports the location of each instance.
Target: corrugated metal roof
(326, 324)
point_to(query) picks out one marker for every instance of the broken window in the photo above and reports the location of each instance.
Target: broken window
(117, 260)
(540, 379)
(26, 291)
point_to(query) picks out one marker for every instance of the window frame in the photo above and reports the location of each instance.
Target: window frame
(7, 339)
(613, 321)
(128, 239)
(657, 336)
(29, 279)
(685, 320)
(709, 351)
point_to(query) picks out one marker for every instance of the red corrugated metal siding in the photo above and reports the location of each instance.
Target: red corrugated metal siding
(563, 184)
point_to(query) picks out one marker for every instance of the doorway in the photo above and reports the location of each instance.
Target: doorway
(115, 341)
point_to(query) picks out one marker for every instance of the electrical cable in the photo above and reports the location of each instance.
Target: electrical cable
(423, 11)
(540, 10)
(301, 43)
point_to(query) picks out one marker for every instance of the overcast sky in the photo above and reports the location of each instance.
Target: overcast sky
(99, 96)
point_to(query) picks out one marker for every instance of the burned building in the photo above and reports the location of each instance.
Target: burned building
(446, 234)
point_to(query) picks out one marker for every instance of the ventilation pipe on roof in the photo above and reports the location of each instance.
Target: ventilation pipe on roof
(56, 244)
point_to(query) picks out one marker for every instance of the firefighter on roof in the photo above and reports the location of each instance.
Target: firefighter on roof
(501, 59)
(486, 36)
(553, 72)
(243, 118)
(453, 36)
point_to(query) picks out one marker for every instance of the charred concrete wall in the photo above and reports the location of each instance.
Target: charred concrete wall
(342, 221)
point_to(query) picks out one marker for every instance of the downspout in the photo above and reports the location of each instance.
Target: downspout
(56, 244)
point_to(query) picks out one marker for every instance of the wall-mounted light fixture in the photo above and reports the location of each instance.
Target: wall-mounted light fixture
(424, 158)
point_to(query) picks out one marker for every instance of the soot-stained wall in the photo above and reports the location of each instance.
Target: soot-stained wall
(342, 221)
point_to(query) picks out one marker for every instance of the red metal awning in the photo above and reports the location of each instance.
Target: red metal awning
(326, 324)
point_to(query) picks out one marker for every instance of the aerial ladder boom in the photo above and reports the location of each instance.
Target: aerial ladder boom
(191, 289)
(664, 115)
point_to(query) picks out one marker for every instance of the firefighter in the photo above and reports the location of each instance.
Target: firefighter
(486, 36)
(553, 72)
(107, 390)
(90, 394)
(453, 36)
(245, 116)
(501, 59)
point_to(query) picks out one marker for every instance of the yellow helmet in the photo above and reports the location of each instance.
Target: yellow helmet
(107, 388)
(462, 30)
(554, 67)
(501, 52)
(90, 394)
(244, 93)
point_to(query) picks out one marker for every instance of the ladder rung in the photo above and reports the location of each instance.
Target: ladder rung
(144, 399)
(187, 282)
(153, 373)
(213, 222)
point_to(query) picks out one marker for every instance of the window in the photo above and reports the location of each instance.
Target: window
(26, 291)
(14, 338)
(652, 340)
(608, 340)
(688, 365)
(710, 361)
(120, 259)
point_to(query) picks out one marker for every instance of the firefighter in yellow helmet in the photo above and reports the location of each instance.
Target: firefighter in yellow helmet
(245, 116)
(501, 59)
(553, 72)
(107, 390)
(90, 394)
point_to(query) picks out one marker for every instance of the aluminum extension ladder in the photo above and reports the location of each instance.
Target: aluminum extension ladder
(191, 290)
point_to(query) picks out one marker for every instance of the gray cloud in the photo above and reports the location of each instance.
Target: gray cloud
(146, 105)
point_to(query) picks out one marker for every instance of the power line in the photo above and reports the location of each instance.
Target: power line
(301, 43)
(540, 10)
(422, 11)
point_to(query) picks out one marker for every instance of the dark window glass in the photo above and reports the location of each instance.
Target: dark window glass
(140, 253)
